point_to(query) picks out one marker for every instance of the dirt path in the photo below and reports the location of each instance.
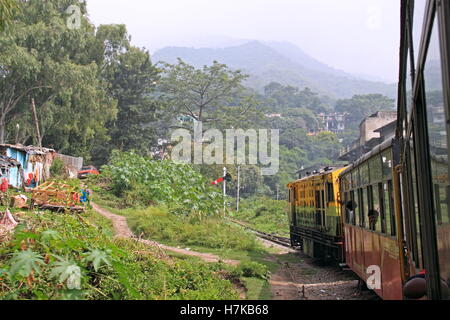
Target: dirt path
(122, 230)
(302, 278)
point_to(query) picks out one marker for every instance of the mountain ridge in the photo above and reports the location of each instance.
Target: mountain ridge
(280, 62)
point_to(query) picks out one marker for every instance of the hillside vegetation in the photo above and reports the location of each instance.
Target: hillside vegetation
(57, 256)
(278, 62)
(265, 215)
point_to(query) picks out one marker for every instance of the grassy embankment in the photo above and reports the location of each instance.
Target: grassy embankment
(209, 235)
(265, 215)
(175, 205)
(62, 256)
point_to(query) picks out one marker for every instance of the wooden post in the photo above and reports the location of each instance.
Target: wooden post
(38, 133)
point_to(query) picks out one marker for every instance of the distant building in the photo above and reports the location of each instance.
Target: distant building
(437, 115)
(274, 115)
(373, 131)
(333, 122)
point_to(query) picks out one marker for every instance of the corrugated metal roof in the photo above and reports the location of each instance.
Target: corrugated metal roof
(28, 149)
(7, 162)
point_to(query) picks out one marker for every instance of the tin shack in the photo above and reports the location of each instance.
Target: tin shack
(29, 163)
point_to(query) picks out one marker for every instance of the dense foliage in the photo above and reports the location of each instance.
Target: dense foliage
(141, 181)
(54, 256)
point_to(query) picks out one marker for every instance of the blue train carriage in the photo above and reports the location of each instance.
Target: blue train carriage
(315, 215)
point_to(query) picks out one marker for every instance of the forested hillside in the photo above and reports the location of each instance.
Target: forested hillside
(278, 62)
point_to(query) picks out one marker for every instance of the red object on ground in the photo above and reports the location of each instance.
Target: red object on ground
(30, 178)
(217, 181)
(76, 197)
(4, 186)
(87, 170)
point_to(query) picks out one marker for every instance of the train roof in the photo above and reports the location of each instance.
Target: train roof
(324, 171)
(376, 150)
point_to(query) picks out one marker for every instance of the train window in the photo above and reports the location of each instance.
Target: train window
(358, 208)
(355, 179)
(345, 201)
(386, 209)
(437, 199)
(419, 15)
(362, 201)
(438, 146)
(352, 213)
(370, 212)
(374, 213)
(365, 205)
(417, 221)
(364, 174)
(330, 192)
(436, 122)
(375, 169)
(386, 163)
(409, 85)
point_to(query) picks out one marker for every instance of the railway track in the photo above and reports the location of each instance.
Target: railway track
(282, 241)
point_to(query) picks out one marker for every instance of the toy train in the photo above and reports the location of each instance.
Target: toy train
(387, 215)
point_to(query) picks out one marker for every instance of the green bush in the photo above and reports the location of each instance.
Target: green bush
(58, 168)
(251, 269)
(55, 256)
(141, 182)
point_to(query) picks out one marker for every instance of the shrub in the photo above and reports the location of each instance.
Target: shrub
(251, 269)
(58, 168)
(55, 256)
(141, 182)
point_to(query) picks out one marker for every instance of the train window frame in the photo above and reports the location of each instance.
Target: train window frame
(435, 9)
(374, 176)
(330, 192)
(386, 209)
(365, 208)
(364, 174)
(387, 164)
(353, 217)
(372, 191)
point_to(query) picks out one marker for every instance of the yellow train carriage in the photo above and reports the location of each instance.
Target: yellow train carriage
(315, 216)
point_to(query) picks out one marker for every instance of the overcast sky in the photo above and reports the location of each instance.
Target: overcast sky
(357, 36)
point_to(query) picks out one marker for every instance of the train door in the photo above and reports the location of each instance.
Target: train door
(320, 208)
(293, 201)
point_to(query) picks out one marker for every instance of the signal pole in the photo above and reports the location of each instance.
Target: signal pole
(224, 192)
(238, 188)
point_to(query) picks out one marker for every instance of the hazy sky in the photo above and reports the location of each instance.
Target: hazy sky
(357, 36)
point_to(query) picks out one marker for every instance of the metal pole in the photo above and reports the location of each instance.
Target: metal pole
(36, 123)
(224, 192)
(278, 192)
(238, 188)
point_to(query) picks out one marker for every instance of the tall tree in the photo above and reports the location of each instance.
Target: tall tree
(44, 59)
(212, 95)
(132, 80)
(362, 106)
(7, 10)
